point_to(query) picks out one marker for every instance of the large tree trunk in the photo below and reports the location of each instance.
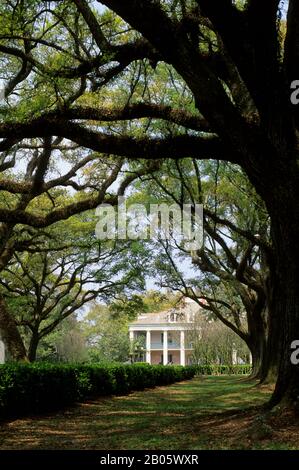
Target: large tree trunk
(282, 203)
(258, 323)
(10, 334)
(269, 365)
(286, 317)
(264, 336)
(32, 350)
(257, 346)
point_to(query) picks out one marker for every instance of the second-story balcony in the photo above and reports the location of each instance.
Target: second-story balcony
(160, 345)
(170, 345)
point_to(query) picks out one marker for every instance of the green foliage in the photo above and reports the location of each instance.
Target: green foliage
(127, 306)
(106, 337)
(222, 369)
(214, 342)
(34, 388)
(27, 388)
(66, 343)
(70, 269)
(150, 301)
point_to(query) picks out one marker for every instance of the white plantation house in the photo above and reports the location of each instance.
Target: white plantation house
(168, 334)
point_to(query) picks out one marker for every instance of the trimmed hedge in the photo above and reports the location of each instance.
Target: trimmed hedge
(39, 387)
(217, 369)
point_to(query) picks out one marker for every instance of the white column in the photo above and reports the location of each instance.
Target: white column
(182, 350)
(131, 336)
(165, 348)
(148, 346)
(2, 352)
(234, 357)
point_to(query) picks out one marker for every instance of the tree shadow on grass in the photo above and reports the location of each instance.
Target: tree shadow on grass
(208, 413)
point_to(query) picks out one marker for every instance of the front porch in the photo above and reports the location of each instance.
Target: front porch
(164, 346)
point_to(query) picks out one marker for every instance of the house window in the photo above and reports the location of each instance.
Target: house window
(170, 339)
(170, 358)
(162, 338)
(173, 317)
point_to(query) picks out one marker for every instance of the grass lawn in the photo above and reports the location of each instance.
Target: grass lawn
(208, 413)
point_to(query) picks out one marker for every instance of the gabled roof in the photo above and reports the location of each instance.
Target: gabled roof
(183, 314)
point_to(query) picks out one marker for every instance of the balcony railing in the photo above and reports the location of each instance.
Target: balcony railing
(157, 345)
(171, 345)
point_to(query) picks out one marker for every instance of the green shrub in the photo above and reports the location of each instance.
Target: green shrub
(35, 388)
(39, 387)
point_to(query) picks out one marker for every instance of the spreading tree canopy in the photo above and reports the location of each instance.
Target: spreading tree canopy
(156, 79)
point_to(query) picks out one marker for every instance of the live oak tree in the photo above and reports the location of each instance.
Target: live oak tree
(66, 343)
(70, 268)
(214, 343)
(230, 57)
(106, 336)
(233, 305)
(230, 274)
(90, 179)
(48, 180)
(150, 301)
(34, 171)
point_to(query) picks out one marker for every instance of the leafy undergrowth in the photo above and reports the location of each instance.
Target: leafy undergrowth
(204, 413)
